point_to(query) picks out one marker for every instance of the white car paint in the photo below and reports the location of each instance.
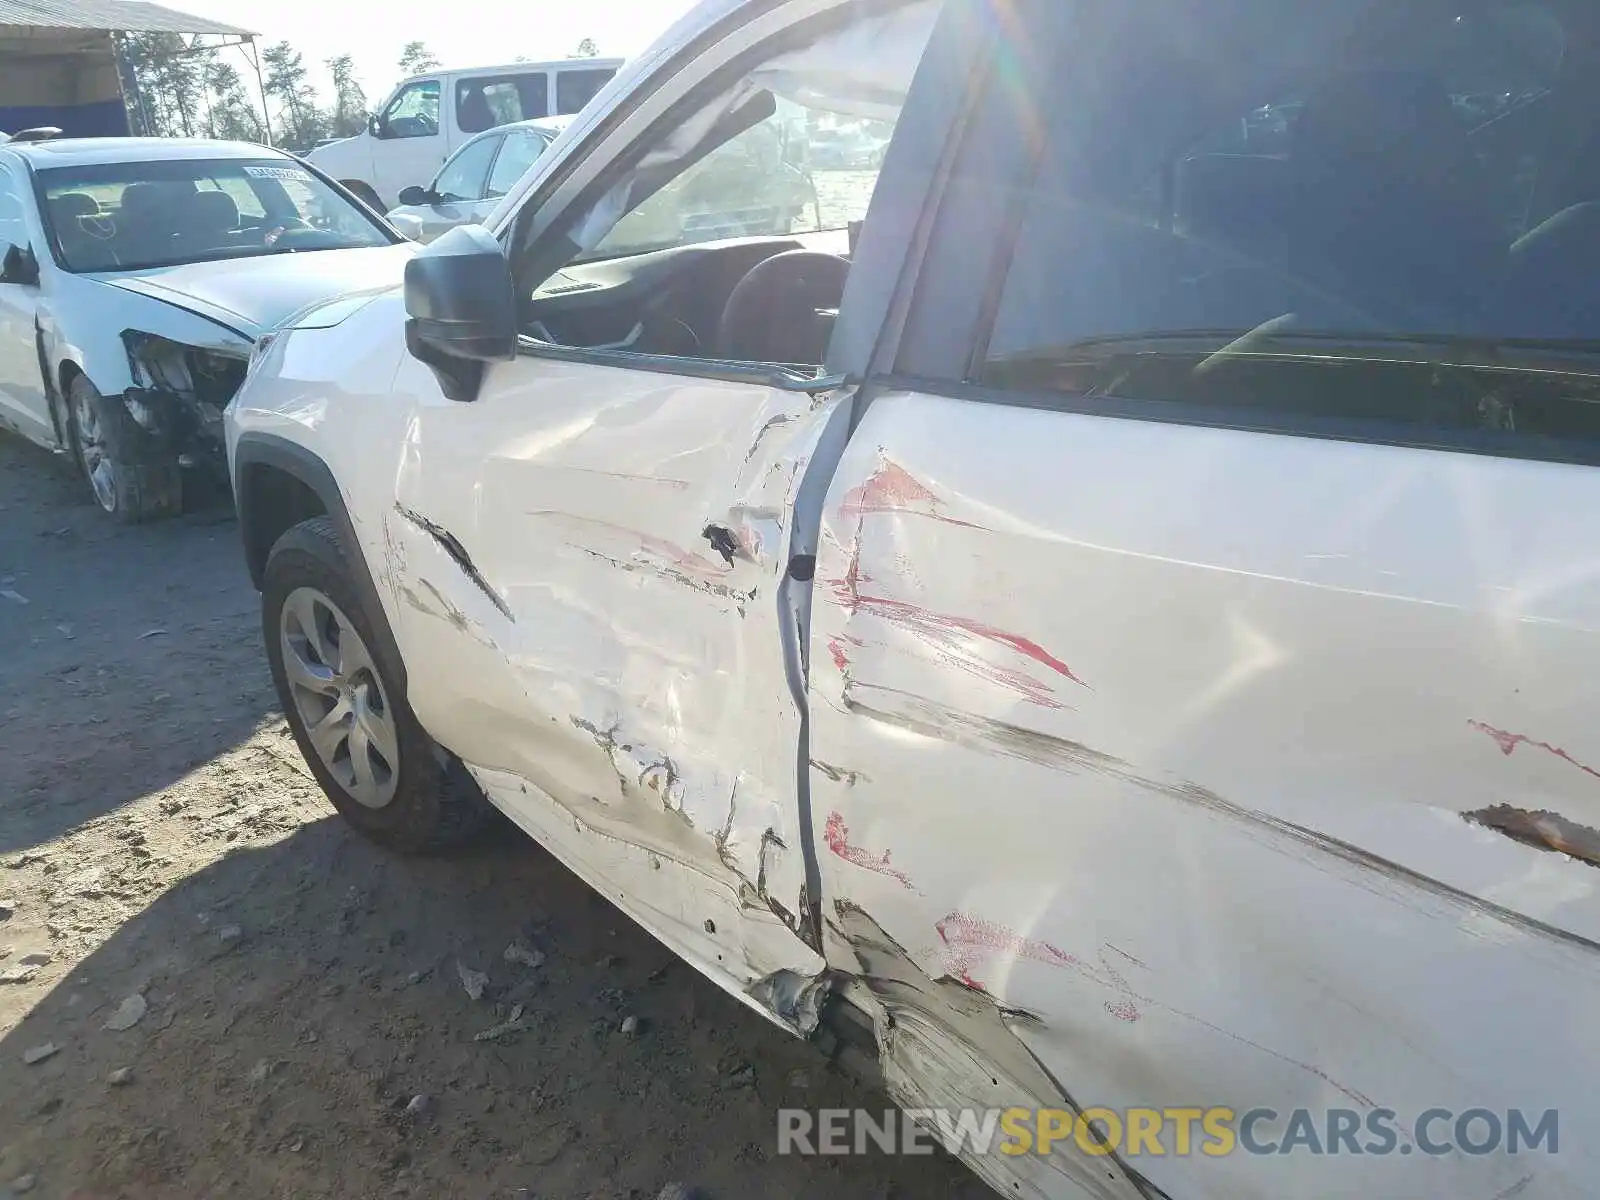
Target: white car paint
(704, 842)
(1211, 889)
(1137, 752)
(70, 321)
(381, 162)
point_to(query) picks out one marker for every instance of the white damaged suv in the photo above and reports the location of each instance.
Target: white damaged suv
(1102, 594)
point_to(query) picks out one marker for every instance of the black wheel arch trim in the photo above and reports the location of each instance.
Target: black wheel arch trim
(255, 449)
(54, 400)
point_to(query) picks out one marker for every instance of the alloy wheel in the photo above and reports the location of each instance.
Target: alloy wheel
(339, 697)
(98, 464)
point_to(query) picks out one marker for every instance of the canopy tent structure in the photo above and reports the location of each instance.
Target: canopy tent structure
(61, 62)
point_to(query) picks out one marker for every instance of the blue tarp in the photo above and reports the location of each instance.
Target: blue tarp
(104, 119)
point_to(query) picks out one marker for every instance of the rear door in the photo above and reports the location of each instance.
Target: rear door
(521, 149)
(1202, 668)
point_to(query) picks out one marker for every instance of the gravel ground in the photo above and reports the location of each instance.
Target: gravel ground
(244, 999)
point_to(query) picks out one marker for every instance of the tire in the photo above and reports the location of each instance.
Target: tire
(392, 782)
(131, 478)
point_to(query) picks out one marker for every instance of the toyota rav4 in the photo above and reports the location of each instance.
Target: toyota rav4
(1105, 595)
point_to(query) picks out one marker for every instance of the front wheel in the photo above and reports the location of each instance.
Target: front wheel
(363, 743)
(131, 479)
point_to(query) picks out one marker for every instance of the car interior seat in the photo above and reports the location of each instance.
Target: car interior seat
(151, 214)
(71, 206)
(1384, 208)
(80, 244)
(1234, 201)
(473, 111)
(211, 214)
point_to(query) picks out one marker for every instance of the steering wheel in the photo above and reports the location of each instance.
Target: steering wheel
(775, 313)
(416, 125)
(281, 235)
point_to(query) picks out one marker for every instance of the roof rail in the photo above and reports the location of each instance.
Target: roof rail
(40, 133)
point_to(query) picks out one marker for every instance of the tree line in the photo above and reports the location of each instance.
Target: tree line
(180, 89)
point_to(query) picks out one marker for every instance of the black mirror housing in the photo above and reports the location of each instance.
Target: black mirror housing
(19, 266)
(462, 308)
(414, 195)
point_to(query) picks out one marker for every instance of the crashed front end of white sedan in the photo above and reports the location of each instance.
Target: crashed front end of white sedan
(154, 269)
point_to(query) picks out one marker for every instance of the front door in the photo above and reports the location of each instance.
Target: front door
(412, 140)
(23, 404)
(614, 665)
(593, 565)
(459, 189)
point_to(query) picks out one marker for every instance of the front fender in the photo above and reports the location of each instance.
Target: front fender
(87, 327)
(82, 322)
(256, 457)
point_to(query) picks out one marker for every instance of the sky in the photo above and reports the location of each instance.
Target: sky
(496, 32)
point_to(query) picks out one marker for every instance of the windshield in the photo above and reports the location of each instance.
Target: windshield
(130, 216)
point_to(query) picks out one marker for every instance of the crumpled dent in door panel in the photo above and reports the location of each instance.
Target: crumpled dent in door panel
(721, 923)
(627, 687)
(1142, 855)
(945, 1045)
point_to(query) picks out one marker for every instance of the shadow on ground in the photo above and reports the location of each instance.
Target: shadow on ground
(299, 995)
(128, 656)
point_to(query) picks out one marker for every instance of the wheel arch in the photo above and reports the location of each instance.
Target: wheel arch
(57, 386)
(276, 485)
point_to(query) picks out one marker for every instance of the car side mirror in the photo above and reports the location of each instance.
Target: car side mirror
(415, 195)
(462, 309)
(19, 266)
(375, 125)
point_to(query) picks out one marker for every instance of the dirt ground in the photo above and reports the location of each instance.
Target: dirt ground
(166, 864)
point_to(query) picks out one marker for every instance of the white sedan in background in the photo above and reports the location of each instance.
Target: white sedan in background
(474, 178)
(135, 276)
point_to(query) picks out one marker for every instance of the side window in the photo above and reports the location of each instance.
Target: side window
(1380, 229)
(732, 180)
(13, 221)
(752, 185)
(485, 101)
(520, 152)
(414, 112)
(463, 176)
(575, 88)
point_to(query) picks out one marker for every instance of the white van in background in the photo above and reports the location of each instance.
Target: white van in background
(429, 115)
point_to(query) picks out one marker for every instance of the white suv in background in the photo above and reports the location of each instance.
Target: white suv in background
(429, 115)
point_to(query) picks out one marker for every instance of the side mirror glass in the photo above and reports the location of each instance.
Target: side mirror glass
(414, 195)
(19, 266)
(375, 125)
(462, 308)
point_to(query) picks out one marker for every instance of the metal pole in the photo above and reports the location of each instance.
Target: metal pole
(128, 82)
(249, 48)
